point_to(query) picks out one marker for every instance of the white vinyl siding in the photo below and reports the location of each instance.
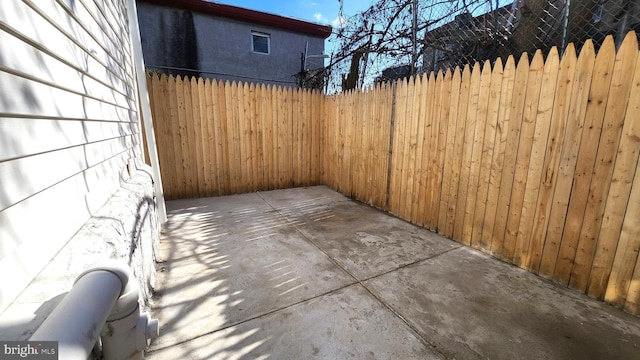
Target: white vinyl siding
(68, 125)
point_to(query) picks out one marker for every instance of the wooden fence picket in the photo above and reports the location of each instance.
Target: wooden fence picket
(522, 164)
(463, 103)
(448, 170)
(398, 147)
(423, 151)
(510, 156)
(536, 159)
(475, 151)
(502, 131)
(417, 141)
(621, 216)
(568, 157)
(442, 97)
(630, 235)
(488, 146)
(466, 148)
(582, 176)
(551, 162)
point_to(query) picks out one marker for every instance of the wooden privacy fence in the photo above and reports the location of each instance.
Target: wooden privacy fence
(534, 162)
(217, 139)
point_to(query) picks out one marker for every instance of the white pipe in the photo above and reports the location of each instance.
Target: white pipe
(76, 322)
(102, 302)
(127, 332)
(143, 96)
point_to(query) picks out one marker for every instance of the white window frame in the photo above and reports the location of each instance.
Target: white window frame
(264, 35)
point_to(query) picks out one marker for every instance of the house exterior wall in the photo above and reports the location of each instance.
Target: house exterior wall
(219, 47)
(69, 140)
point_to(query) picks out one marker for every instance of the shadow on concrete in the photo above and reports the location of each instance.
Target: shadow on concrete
(229, 276)
(308, 273)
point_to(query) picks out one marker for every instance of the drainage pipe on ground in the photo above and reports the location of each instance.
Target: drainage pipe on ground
(103, 299)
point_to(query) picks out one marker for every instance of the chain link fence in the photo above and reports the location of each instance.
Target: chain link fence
(474, 31)
(450, 33)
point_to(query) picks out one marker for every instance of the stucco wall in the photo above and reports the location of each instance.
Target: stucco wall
(223, 46)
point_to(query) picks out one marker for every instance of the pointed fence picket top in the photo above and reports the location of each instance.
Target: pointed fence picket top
(466, 153)
(568, 156)
(476, 142)
(510, 156)
(486, 157)
(621, 83)
(502, 131)
(620, 202)
(551, 162)
(449, 151)
(442, 100)
(522, 163)
(535, 163)
(536, 159)
(582, 176)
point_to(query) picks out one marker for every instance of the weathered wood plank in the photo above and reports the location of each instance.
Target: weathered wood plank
(197, 135)
(488, 146)
(212, 161)
(621, 291)
(443, 98)
(463, 106)
(510, 157)
(161, 122)
(604, 184)
(432, 198)
(467, 150)
(398, 147)
(523, 165)
(470, 120)
(187, 137)
(234, 144)
(244, 146)
(536, 160)
(621, 223)
(425, 116)
(175, 134)
(601, 79)
(254, 132)
(476, 152)
(409, 161)
(552, 157)
(502, 131)
(449, 152)
(569, 156)
(417, 145)
(223, 140)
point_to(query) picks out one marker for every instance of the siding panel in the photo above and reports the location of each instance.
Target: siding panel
(68, 125)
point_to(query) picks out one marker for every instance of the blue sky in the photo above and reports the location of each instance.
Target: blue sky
(320, 11)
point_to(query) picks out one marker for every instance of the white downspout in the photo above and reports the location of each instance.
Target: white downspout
(144, 105)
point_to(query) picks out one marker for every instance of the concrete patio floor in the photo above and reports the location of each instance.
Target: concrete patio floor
(308, 273)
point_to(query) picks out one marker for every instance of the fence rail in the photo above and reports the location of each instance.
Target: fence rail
(534, 162)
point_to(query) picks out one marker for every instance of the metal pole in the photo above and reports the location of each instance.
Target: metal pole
(565, 30)
(414, 48)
